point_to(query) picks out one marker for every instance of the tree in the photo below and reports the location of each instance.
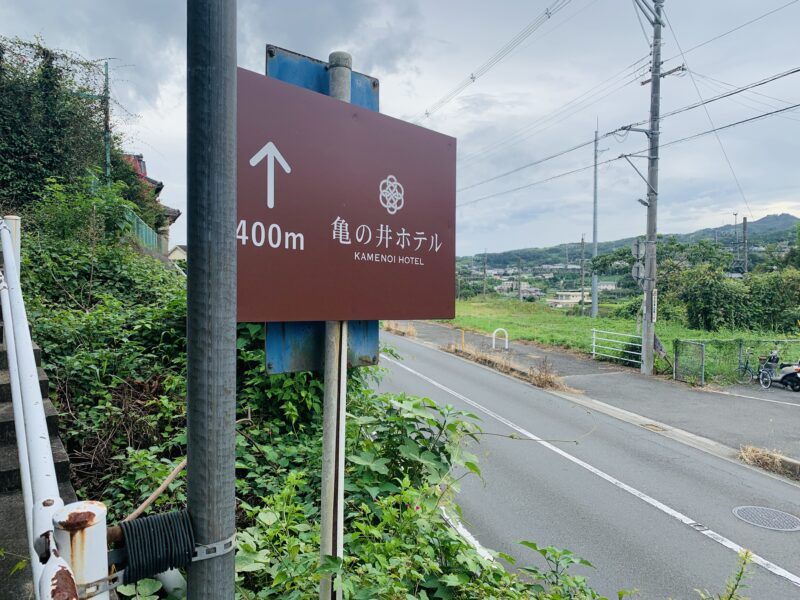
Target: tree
(712, 300)
(51, 125)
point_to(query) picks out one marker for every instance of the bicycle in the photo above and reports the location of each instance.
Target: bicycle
(745, 373)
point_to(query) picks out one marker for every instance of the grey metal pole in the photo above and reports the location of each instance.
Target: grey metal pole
(736, 233)
(583, 248)
(107, 124)
(519, 278)
(744, 242)
(484, 273)
(648, 327)
(594, 233)
(340, 65)
(211, 288)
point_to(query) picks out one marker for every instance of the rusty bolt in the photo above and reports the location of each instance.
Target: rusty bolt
(271, 51)
(48, 502)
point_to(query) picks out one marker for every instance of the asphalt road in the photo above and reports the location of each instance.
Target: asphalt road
(747, 416)
(649, 512)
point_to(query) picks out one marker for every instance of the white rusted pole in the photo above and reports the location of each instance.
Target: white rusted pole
(80, 534)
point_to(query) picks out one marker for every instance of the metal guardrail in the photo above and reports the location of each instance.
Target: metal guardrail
(142, 231)
(625, 347)
(59, 565)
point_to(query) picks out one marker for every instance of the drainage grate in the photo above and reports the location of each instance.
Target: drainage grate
(768, 518)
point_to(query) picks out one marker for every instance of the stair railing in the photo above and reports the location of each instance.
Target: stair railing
(68, 547)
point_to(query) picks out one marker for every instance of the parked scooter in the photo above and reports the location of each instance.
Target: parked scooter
(774, 371)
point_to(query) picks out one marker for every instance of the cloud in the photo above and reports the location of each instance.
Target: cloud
(579, 68)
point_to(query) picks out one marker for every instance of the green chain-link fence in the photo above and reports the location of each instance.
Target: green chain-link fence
(717, 361)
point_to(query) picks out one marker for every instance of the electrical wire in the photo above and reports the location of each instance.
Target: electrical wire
(723, 84)
(737, 28)
(637, 153)
(748, 102)
(708, 115)
(525, 166)
(641, 25)
(498, 56)
(581, 102)
(622, 132)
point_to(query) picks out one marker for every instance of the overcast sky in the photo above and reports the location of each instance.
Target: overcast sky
(421, 50)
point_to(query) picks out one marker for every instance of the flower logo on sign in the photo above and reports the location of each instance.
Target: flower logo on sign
(391, 195)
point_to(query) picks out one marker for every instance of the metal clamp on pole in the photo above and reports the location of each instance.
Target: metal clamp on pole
(206, 551)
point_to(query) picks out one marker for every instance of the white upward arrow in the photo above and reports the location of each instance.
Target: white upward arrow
(271, 152)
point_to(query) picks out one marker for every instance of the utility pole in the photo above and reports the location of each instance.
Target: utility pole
(594, 232)
(211, 290)
(519, 278)
(648, 325)
(107, 125)
(484, 274)
(744, 242)
(583, 246)
(334, 408)
(736, 234)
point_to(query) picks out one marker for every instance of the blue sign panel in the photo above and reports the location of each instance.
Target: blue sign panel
(312, 74)
(293, 347)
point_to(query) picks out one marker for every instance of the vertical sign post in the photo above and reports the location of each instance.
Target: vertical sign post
(334, 400)
(362, 205)
(211, 288)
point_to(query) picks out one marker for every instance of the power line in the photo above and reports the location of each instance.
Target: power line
(703, 102)
(581, 102)
(627, 128)
(522, 134)
(637, 153)
(719, 84)
(529, 29)
(525, 166)
(639, 18)
(737, 28)
(708, 115)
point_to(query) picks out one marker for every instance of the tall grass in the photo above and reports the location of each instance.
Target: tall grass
(553, 327)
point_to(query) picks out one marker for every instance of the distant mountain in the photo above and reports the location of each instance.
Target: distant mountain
(767, 225)
(767, 230)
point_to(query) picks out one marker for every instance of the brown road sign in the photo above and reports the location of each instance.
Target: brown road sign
(343, 213)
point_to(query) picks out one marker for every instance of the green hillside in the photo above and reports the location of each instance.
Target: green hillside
(771, 229)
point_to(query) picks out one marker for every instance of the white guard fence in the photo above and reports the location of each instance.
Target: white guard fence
(622, 347)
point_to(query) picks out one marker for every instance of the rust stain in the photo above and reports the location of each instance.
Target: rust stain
(77, 549)
(77, 521)
(62, 585)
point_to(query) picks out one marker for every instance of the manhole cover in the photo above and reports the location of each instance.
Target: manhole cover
(768, 518)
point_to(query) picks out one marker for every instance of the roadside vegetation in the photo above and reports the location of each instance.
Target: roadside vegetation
(697, 300)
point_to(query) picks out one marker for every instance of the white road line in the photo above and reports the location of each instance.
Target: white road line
(720, 539)
(735, 395)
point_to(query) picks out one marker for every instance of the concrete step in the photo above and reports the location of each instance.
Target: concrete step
(5, 385)
(7, 430)
(37, 353)
(9, 465)
(14, 540)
